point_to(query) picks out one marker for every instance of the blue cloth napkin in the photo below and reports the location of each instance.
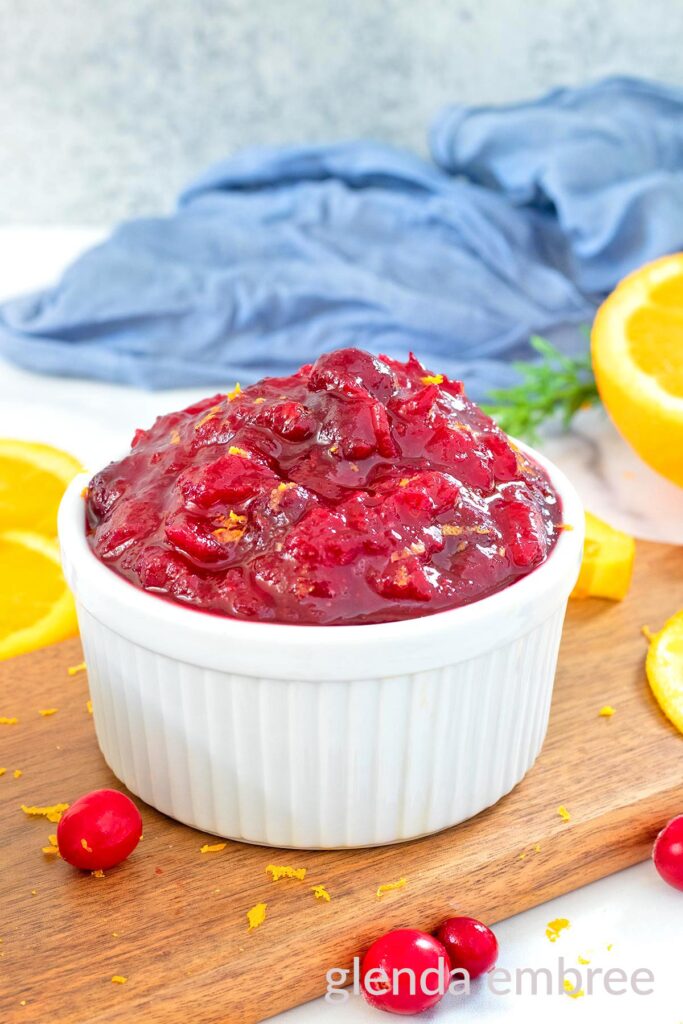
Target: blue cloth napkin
(527, 216)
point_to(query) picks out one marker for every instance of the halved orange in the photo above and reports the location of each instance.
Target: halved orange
(637, 352)
(33, 478)
(36, 606)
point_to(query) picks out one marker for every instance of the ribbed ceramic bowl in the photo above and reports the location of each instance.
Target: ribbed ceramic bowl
(320, 736)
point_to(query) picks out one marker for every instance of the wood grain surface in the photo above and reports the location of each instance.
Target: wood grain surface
(172, 920)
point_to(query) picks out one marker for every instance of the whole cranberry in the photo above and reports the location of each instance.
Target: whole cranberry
(99, 830)
(405, 950)
(470, 945)
(667, 853)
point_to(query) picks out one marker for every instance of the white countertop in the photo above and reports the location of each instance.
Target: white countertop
(632, 911)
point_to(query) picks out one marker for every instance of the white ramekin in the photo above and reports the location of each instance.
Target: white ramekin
(320, 736)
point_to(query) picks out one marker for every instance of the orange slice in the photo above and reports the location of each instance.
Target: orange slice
(33, 478)
(36, 607)
(637, 352)
(664, 668)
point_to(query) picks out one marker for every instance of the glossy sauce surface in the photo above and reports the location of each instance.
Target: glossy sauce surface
(358, 490)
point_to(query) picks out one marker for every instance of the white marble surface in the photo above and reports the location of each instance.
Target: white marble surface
(614, 482)
(107, 109)
(633, 910)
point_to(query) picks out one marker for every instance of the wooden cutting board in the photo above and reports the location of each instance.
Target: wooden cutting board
(172, 920)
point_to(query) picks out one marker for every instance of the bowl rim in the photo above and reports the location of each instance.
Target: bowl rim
(292, 651)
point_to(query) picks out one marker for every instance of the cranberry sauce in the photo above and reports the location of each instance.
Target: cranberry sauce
(358, 490)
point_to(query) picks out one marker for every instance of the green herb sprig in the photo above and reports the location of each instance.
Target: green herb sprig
(554, 388)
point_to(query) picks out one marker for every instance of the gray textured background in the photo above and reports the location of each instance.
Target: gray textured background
(108, 106)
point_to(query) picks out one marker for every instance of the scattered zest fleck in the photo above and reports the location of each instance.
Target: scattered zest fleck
(175, 437)
(232, 395)
(565, 526)
(435, 378)
(46, 712)
(277, 492)
(118, 979)
(228, 534)
(257, 915)
(84, 493)
(571, 991)
(52, 848)
(321, 893)
(9, 721)
(2, 771)
(17, 773)
(88, 706)
(583, 960)
(647, 633)
(232, 450)
(282, 871)
(209, 416)
(554, 928)
(52, 813)
(606, 712)
(401, 884)
(564, 813)
(73, 670)
(98, 873)
(84, 844)
(213, 848)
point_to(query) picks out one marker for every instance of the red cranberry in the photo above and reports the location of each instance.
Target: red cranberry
(354, 431)
(667, 852)
(504, 457)
(398, 951)
(457, 448)
(292, 421)
(158, 568)
(228, 479)
(352, 373)
(470, 945)
(99, 830)
(380, 421)
(524, 533)
(403, 578)
(115, 536)
(138, 436)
